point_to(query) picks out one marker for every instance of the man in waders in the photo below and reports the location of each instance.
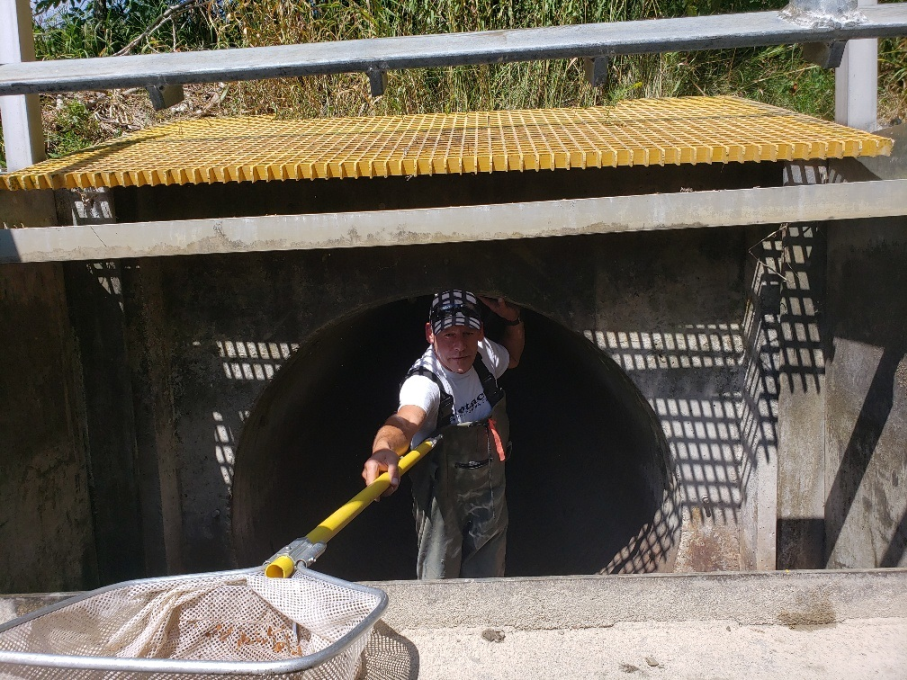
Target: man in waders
(458, 490)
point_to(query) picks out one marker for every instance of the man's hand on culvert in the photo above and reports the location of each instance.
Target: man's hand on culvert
(383, 460)
(506, 310)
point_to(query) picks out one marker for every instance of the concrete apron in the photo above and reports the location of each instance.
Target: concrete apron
(804, 624)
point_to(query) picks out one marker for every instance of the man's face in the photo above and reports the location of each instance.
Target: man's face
(456, 347)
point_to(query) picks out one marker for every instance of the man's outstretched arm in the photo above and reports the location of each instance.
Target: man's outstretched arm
(391, 442)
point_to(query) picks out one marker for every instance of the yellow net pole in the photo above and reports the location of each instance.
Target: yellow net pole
(329, 528)
(283, 564)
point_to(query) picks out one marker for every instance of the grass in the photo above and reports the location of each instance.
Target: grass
(776, 75)
(71, 127)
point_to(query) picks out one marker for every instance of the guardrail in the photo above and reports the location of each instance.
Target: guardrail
(825, 33)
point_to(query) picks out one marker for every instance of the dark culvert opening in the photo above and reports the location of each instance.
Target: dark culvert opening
(589, 482)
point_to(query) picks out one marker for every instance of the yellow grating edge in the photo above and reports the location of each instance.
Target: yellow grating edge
(683, 130)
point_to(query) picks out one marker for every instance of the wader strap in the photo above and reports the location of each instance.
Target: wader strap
(445, 408)
(493, 393)
(446, 416)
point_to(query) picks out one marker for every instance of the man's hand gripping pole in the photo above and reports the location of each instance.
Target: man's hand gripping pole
(304, 551)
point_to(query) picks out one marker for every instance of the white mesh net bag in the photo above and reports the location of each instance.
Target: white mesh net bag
(237, 623)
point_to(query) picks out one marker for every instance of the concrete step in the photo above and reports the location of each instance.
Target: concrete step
(803, 624)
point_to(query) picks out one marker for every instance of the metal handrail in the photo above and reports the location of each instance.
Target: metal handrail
(378, 55)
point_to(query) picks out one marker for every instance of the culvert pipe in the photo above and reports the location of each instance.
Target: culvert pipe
(590, 481)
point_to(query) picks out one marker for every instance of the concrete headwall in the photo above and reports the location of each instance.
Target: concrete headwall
(47, 539)
(865, 467)
(743, 383)
(667, 309)
(183, 348)
(865, 471)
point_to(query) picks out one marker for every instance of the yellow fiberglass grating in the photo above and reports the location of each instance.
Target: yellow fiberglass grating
(685, 130)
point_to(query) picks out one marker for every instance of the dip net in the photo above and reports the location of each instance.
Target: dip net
(238, 623)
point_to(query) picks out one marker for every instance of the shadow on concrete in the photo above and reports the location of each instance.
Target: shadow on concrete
(860, 450)
(866, 418)
(389, 656)
(9, 253)
(804, 250)
(898, 545)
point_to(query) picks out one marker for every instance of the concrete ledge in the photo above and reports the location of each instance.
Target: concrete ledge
(649, 212)
(14, 606)
(784, 598)
(575, 602)
(813, 625)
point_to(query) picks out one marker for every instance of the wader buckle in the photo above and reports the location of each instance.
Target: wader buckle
(473, 464)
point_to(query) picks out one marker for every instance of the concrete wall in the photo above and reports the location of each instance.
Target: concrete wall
(865, 516)
(182, 349)
(769, 365)
(668, 309)
(47, 539)
(841, 499)
(866, 425)
(759, 408)
(803, 347)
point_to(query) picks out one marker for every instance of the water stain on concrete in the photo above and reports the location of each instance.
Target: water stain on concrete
(816, 612)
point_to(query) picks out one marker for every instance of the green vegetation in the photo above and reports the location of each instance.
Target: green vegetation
(76, 28)
(772, 75)
(72, 128)
(70, 29)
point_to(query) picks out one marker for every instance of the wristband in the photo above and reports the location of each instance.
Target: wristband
(515, 322)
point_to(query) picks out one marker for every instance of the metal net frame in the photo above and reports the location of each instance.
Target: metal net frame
(236, 623)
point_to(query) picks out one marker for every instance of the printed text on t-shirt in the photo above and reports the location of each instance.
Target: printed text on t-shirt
(472, 406)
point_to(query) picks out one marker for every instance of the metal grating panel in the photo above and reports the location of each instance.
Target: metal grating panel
(686, 130)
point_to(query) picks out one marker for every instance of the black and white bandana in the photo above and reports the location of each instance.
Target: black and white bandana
(454, 308)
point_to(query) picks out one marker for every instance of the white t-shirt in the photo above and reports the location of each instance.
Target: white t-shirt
(469, 399)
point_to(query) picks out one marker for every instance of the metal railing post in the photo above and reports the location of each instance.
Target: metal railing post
(823, 14)
(23, 135)
(857, 83)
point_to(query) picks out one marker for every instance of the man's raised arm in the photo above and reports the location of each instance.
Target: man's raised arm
(514, 337)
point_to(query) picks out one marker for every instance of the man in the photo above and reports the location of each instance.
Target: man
(458, 490)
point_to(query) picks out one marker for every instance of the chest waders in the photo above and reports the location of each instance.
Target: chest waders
(458, 491)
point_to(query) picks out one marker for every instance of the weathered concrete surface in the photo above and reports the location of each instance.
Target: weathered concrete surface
(666, 317)
(27, 208)
(801, 394)
(456, 224)
(95, 303)
(798, 598)
(807, 624)
(747, 598)
(148, 337)
(859, 648)
(759, 409)
(866, 427)
(45, 509)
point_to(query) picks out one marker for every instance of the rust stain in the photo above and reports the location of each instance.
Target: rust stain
(711, 547)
